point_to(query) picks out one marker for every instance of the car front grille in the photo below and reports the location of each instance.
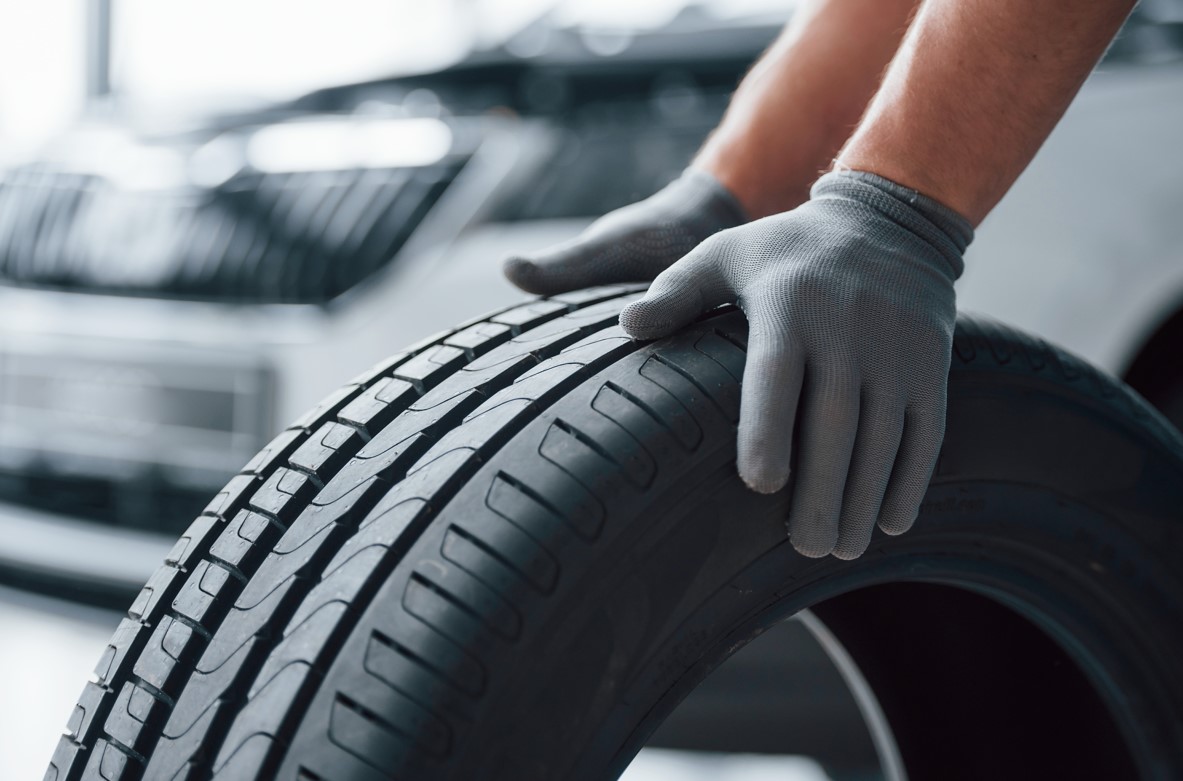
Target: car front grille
(267, 238)
(146, 504)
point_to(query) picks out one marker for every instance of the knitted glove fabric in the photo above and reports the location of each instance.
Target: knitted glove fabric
(850, 305)
(633, 244)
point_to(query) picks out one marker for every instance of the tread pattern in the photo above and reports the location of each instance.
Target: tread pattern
(236, 646)
(202, 625)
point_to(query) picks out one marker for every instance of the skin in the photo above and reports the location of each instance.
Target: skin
(972, 93)
(812, 86)
(975, 90)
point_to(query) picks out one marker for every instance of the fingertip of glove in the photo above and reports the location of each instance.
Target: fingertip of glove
(524, 273)
(757, 470)
(763, 484)
(812, 550)
(637, 321)
(896, 525)
(846, 554)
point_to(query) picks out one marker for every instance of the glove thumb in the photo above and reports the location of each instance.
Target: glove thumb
(680, 294)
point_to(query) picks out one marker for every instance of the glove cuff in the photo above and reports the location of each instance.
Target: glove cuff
(715, 196)
(940, 226)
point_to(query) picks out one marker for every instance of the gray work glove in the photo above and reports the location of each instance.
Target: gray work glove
(633, 244)
(850, 306)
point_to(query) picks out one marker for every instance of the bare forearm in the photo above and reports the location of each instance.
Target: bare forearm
(798, 105)
(974, 91)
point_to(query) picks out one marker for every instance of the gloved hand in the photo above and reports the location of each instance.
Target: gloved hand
(850, 305)
(633, 244)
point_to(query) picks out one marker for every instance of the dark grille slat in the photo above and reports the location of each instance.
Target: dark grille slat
(261, 238)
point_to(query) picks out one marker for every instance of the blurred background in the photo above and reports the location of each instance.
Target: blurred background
(214, 213)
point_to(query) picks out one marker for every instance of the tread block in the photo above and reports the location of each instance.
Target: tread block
(345, 512)
(245, 541)
(477, 385)
(86, 710)
(301, 641)
(248, 759)
(479, 338)
(66, 755)
(169, 655)
(592, 294)
(483, 430)
(176, 755)
(429, 367)
(206, 595)
(135, 717)
(193, 715)
(406, 428)
(264, 713)
(160, 586)
(326, 450)
(377, 406)
(232, 497)
(283, 495)
(191, 545)
(275, 452)
(599, 348)
(382, 528)
(527, 316)
(110, 763)
(119, 649)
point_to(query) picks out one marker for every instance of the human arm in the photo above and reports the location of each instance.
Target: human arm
(975, 90)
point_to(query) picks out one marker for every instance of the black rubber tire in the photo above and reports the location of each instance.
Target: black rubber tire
(510, 551)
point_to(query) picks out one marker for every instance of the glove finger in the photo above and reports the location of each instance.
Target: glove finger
(921, 443)
(829, 424)
(771, 389)
(572, 265)
(685, 290)
(881, 425)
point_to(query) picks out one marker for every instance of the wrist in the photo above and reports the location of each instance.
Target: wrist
(766, 177)
(942, 228)
(959, 199)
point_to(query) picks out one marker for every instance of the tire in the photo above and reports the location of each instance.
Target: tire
(510, 551)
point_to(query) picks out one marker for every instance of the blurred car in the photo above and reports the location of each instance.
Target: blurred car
(170, 299)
